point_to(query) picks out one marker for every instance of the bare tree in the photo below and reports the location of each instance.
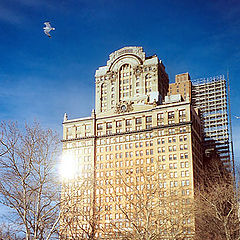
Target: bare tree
(217, 204)
(79, 214)
(7, 232)
(28, 179)
(149, 208)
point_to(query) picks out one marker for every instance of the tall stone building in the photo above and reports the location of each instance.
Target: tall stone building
(132, 167)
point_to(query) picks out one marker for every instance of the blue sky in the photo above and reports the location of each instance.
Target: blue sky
(41, 78)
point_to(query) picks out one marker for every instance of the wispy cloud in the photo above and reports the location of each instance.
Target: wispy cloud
(14, 12)
(11, 16)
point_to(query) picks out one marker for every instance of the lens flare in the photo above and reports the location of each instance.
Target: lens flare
(68, 166)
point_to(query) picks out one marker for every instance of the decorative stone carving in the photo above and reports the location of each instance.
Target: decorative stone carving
(112, 75)
(138, 70)
(137, 51)
(100, 79)
(123, 107)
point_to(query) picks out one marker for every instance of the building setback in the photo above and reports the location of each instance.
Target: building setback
(137, 154)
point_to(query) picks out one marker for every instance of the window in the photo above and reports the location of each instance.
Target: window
(173, 165)
(171, 130)
(148, 119)
(182, 113)
(109, 125)
(119, 123)
(128, 122)
(100, 126)
(160, 116)
(171, 114)
(182, 129)
(161, 149)
(148, 126)
(88, 127)
(125, 81)
(138, 120)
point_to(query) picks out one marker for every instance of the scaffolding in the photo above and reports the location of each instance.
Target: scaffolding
(211, 97)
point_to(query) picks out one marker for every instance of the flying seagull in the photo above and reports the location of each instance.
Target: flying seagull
(48, 28)
(237, 117)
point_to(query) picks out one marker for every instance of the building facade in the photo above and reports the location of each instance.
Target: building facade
(182, 85)
(210, 96)
(137, 160)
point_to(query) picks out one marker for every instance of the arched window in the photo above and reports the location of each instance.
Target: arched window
(125, 82)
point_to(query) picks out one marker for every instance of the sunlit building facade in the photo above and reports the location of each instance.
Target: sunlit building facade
(140, 146)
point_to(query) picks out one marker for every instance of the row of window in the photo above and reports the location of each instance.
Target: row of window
(120, 189)
(148, 119)
(126, 138)
(129, 197)
(148, 126)
(173, 148)
(142, 136)
(133, 137)
(128, 122)
(140, 153)
(138, 170)
(138, 161)
(119, 206)
(140, 144)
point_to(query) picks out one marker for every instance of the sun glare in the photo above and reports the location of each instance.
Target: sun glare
(68, 166)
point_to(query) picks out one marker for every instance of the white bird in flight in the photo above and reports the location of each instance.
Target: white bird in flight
(48, 28)
(237, 117)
